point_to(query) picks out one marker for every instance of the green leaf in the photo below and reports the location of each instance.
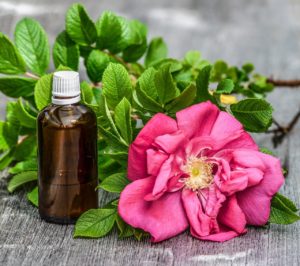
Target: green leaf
(95, 223)
(6, 158)
(43, 91)
(137, 41)
(25, 118)
(266, 151)
(123, 119)
(108, 117)
(119, 156)
(86, 92)
(202, 84)
(145, 102)
(26, 149)
(33, 197)
(184, 100)
(79, 26)
(193, 59)
(11, 61)
(115, 183)
(112, 140)
(254, 114)
(116, 84)
(17, 87)
(175, 64)
(248, 67)
(225, 86)
(283, 210)
(65, 51)
(165, 85)
(219, 70)
(33, 45)
(96, 63)
(147, 83)
(157, 50)
(28, 165)
(109, 28)
(21, 179)
(125, 230)
(287, 202)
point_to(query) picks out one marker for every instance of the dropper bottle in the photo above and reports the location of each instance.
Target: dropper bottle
(67, 153)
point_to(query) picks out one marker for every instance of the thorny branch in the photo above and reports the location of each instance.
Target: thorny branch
(280, 132)
(293, 83)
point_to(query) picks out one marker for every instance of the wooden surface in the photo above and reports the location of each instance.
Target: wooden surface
(266, 32)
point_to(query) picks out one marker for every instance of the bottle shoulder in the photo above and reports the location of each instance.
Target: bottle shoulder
(71, 115)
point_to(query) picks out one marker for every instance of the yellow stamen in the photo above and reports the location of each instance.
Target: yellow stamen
(200, 173)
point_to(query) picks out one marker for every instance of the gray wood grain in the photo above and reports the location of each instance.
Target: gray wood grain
(264, 32)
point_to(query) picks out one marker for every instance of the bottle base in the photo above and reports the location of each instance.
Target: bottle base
(56, 220)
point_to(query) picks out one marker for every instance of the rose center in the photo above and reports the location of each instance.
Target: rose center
(200, 173)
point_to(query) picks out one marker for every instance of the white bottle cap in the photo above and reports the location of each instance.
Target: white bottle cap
(65, 87)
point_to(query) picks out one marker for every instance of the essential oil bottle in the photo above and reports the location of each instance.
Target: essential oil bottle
(67, 153)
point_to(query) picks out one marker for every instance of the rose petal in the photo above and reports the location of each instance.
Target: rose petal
(225, 126)
(198, 119)
(198, 220)
(155, 159)
(163, 218)
(170, 142)
(255, 201)
(158, 125)
(232, 216)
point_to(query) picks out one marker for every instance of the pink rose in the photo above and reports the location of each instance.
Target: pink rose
(202, 171)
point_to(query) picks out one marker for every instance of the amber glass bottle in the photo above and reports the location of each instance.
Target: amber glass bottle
(67, 152)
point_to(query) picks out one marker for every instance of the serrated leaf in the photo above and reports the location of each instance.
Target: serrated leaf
(115, 183)
(287, 202)
(11, 62)
(157, 50)
(79, 26)
(182, 101)
(116, 84)
(24, 117)
(266, 151)
(26, 149)
(175, 65)
(17, 87)
(33, 196)
(192, 58)
(225, 86)
(119, 156)
(112, 140)
(86, 92)
(125, 230)
(109, 28)
(65, 51)
(123, 119)
(137, 41)
(283, 211)
(28, 165)
(202, 84)
(108, 117)
(6, 158)
(95, 223)
(21, 179)
(43, 91)
(33, 45)
(145, 102)
(147, 83)
(219, 70)
(248, 67)
(254, 114)
(96, 63)
(165, 85)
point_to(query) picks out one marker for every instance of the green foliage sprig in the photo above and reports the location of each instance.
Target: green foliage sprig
(125, 91)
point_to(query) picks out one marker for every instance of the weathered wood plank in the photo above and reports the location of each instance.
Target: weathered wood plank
(264, 32)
